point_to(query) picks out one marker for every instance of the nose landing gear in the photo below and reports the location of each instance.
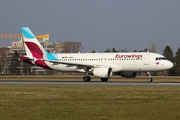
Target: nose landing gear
(149, 75)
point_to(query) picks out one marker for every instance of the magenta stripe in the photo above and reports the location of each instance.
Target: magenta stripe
(35, 50)
(37, 53)
(42, 64)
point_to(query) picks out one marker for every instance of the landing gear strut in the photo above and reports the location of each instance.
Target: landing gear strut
(87, 78)
(149, 75)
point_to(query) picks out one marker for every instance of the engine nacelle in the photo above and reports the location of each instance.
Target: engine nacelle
(104, 72)
(128, 74)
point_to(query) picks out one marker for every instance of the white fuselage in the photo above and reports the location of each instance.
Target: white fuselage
(132, 61)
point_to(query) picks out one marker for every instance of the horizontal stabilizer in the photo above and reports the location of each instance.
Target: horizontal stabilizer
(25, 58)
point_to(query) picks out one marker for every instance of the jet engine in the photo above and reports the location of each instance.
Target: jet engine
(103, 72)
(128, 74)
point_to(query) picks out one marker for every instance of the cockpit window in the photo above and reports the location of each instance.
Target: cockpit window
(160, 58)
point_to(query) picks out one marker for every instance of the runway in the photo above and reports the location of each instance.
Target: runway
(94, 83)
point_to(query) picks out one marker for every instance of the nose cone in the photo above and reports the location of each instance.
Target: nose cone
(169, 65)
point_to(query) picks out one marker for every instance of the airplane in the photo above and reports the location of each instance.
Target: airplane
(100, 65)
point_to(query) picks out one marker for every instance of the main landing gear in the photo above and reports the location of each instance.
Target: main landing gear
(149, 75)
(104, 79)
(87, 78)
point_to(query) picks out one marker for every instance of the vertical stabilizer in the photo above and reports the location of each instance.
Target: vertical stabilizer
(32, 45)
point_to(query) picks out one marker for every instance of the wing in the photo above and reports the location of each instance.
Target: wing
(86, 66)
(79, 65)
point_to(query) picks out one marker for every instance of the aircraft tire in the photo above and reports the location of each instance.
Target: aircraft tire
(150, 79)
(104, 79)
(87, 78)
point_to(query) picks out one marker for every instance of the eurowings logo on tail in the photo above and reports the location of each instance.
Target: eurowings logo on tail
(32, 45)
(35, 52)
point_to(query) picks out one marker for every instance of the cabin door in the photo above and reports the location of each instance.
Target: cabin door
(146, 59)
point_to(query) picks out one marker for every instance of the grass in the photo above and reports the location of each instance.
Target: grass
(89, 102)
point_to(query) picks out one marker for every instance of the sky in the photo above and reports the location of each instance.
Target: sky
(97, 24)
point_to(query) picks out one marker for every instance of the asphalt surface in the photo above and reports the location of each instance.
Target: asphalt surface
(92, 83)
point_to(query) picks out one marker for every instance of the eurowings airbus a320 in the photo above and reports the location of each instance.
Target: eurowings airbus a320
(101, 65)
